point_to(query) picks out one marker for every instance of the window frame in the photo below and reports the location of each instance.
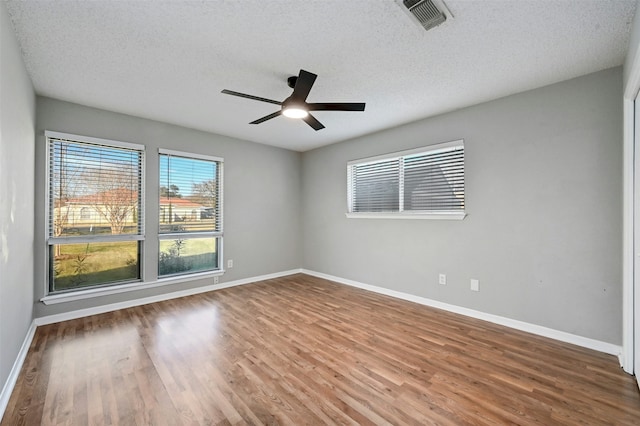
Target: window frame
(401, 213)
(51, 241)
(217, 235)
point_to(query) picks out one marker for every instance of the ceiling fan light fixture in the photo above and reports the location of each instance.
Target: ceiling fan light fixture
(295, 112)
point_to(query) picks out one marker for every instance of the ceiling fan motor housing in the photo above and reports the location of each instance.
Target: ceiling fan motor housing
(294, 108)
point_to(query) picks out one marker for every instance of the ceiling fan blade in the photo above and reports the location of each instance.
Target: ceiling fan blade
(303, 85)
(255, 98)
(336, 107)
(266, 117)
(313, 122)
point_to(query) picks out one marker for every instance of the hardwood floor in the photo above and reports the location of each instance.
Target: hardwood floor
(302, 350)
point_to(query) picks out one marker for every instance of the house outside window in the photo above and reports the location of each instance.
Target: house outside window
(94, 212)
(423, 183)
(190, 213)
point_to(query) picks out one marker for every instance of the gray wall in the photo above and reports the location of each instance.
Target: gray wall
(262, 224)
(543, 197)
(17, 121)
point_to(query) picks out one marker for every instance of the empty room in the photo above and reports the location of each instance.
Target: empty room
(384, 212)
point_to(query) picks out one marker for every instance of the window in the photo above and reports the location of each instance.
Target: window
(85, 213)
(95, 211)
(421, 183)
(190, 213)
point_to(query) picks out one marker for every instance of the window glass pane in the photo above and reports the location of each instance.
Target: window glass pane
(93, 189)
(187, 255)
(91, 264)
(189, 192)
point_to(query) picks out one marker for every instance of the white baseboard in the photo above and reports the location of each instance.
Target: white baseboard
(562, 336)
(80, 313)
(7, 389)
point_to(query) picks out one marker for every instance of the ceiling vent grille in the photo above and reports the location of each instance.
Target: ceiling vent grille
(426, 12)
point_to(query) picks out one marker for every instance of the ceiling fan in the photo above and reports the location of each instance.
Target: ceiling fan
(295, 106)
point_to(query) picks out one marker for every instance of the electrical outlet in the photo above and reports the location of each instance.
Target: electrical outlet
(475, 285)
(442, 279)
(230, 263)
(215, 280)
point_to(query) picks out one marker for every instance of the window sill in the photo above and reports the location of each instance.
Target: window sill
(90, 293)
(405, 215)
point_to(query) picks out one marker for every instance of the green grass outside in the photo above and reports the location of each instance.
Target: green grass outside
(192, 247)
(86, 265)
(82, 265)
(192, 255)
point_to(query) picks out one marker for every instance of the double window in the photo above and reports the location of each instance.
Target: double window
(96, 215)
(421, 183)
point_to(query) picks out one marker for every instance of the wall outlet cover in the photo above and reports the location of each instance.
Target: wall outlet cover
(475, 285)
(442, 279)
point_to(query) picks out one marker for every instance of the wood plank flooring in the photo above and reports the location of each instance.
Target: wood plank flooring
(301, 350)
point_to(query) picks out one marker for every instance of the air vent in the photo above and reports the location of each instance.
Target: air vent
(426, 12)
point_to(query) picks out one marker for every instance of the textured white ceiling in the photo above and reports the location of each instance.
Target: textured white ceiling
(169, 60)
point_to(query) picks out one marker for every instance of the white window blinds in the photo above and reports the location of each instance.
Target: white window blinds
(190, 193)
(426, 180)
(94, 185)
(434, 181)
(376, 186)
